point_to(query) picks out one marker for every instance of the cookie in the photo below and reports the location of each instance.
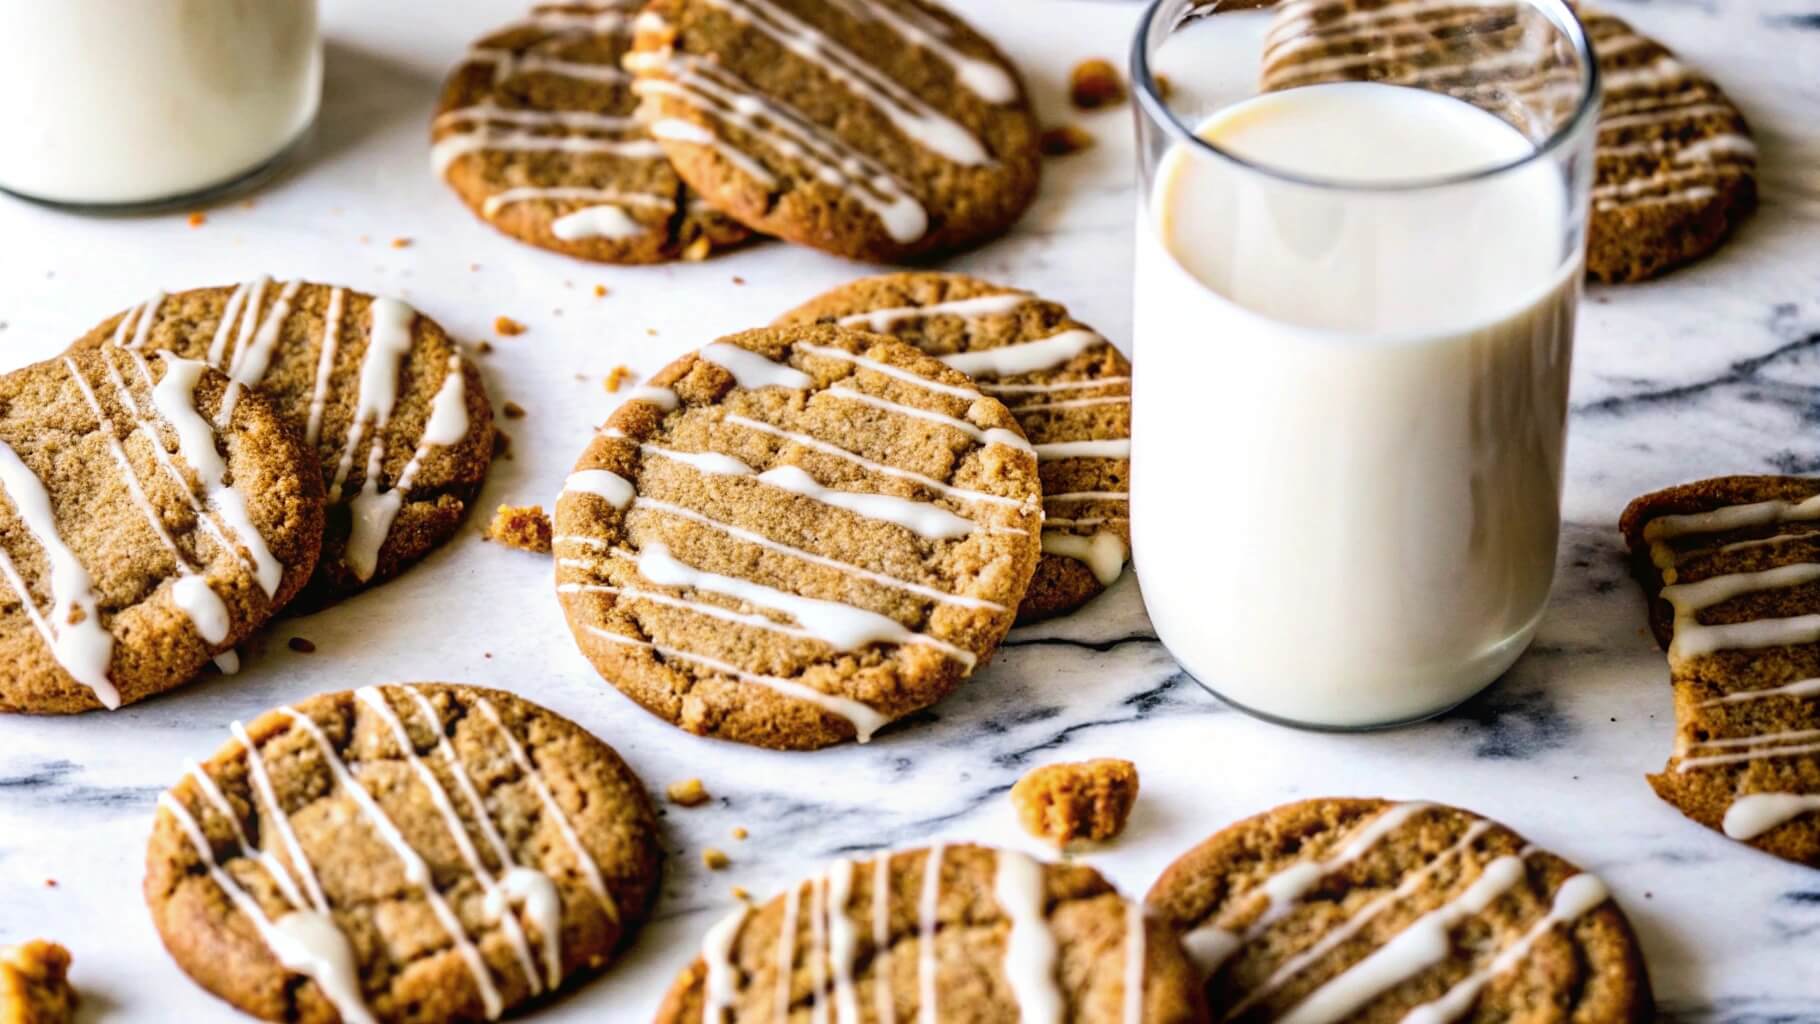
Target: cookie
(1732, 567)
(399, 417)
(34, 984)
(422, 852)
(874, 129)
(947, 933)
(797, 535)
(1366, 910)
(534, 131)
(1068, 387)
(1676, 166)
(152, 514)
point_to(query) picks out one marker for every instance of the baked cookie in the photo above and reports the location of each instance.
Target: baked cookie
(535, 132)
(1068, 387)
(796, 535)
(948, 933)
(875, 129)
(398, 416)
(1732, 567)
(423, 852)
(1676, 167)
(1366, 910)
(34, 984)
(152, 514)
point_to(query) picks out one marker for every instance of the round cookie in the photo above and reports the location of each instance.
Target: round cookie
(797, 535)
(1367, 910)
(535, 133)
(421, 852)
(152, 515)
(399, 417)
(1065, 384)
(983, 934)
(874, 129)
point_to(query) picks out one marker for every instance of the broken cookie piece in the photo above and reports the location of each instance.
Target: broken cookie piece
(525, 527)
(1068, 802)
(34, 984)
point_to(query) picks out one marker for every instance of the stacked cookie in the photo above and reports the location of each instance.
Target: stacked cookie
(1732, 569)
(633, 132)
(196, 463)
(797, 535)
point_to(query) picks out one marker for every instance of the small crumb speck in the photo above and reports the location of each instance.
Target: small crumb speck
(715, 859)
(513, 410)
(197, 218)
(508, 327)
(687, 793)
(301, 645)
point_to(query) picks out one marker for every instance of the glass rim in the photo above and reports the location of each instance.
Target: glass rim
(1150, 104)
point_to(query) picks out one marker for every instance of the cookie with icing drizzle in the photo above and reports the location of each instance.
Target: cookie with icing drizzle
(797, 535)
(535, 133)
(1069, 388)
(1675, 162)
(401, 853)
(1732, 569)
(874, 129)
(1367, 910)
(153, 513)
(397, 414)
(946, 933)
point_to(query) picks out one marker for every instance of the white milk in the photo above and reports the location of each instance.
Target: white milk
(132, 101)
(1350, 408)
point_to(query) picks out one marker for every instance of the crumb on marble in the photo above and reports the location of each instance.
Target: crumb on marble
(620, 375)
(301, 645)
(600, 291)
(1095, 83)
(1065, 140)
(197, 218)
(687, 793)
(1069, 801)
(401, 242)
(714, 859)
(483, 346)
(740, 894)
(739, 832)
(502, 445)
(34, 984)
(508, 327)
(524, 527)
(512, 410)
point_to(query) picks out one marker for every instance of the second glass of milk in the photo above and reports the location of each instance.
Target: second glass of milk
(1358, 258)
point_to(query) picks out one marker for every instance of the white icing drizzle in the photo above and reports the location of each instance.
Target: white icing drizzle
(146, 314)
(598, 20)
(389, 341)
(818, 949)
(1698, 640)
(715, 463)
(1799, 688)
(605, 221)
(537, 894)
(864, 719)
(572, 193)
(928, 918)
(786, 952)
(752, 370)
(1576, 898)
(884, 999)
(1663, 70)
(919, 517)
(1072, 403)
(1752, 815)
(508, 65)
(1060, 522)
(306, 942)
(274, 867)
(1088, 496)
(253, 295)
(1775, 744)
(983, 78)
(267, 797)
(996, 388)
(1135, 956)
(898, 373)
(676, 129)
(882, 320)
(1210, 946)
(605, 484)
(1103, 553)
(1025, 357)
(486, 139)
(1692, 639)
(917, 120)
(373, 511)
(717, 952)
(254, 356)
(818, 445)
(1030, 948)
(987, 435)
(325, 363)
(1421, 945)
(1118, 448)
(1663, 114)
(83, 648)
(1732, 517)
(579, 120)
(664, 398)
(204, 608)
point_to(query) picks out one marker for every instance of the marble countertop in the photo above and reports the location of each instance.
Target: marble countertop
(1714, 369)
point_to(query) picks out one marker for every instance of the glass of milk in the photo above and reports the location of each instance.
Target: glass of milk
(128, 106)
(1358, 258)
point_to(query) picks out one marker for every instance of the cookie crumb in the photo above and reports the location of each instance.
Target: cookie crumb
(740, 894)
(524, 527)
(197, 218)
(507, 326)
(34, 984)
(1164, 87)
(502, 445)
(50, 883)
(714, 859)
(600, 291)
(738, 279)
(512, 410)
(1065, 140)
(620, 375)
(1095, 83)
(687, 793)
(739, 832)
(301, 645)
(401, 243)
(697, 250)
(652, 331)
(472, 267)
(483, 346)
(1068, 801)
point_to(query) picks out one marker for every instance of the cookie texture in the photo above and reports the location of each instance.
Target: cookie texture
(1069, 388)
(153, 513)
(1072, 801)
(401, 853)
(1676, 166)
(949, 933)
(1731, 566)
(796, 535)
(34, 984)
(397, 415)
(534, 131)
(1367, 910)
(874, 129)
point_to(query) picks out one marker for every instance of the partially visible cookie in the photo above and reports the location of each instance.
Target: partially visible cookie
(1732, 567)
(152, 514)
(1069, 388)
(1367, 910)
(875, 129)
(396, 413)
(797, 535)
(401, 853)
(34, 984)
(535, 132)
(948, 933)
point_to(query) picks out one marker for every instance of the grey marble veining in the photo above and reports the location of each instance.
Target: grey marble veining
(1713, 369)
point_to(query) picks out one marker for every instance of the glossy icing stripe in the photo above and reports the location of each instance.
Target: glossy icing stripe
(373, 512)
(508, 65)
(1135, 963)
(883, 998)
(721, 984)
(894, 372)
(1103, 553)
(450, 148)
(970, 309)
(579, 120)
(325, 363)
(1025, 357)
(567, 193)
(1116, 448)
(928, 920)
(985, 435)
(267, 802)
(1752, 815)
(1030, 946)
(827, 448)
(1799, 688)
(274, 868)
(254, 356)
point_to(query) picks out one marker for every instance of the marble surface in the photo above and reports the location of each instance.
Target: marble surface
(1714, 369)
